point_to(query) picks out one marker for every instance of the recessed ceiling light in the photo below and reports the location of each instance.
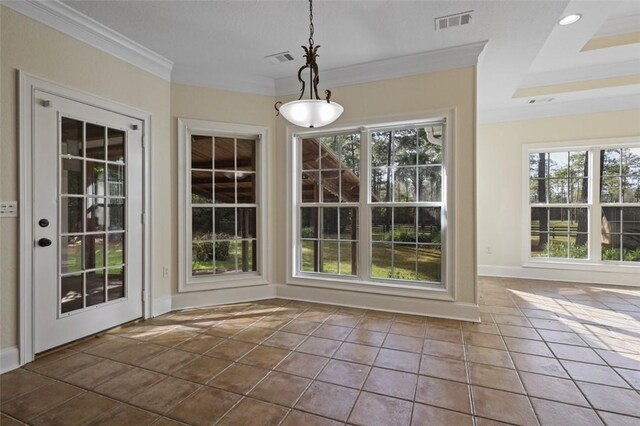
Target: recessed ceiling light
(570, 19)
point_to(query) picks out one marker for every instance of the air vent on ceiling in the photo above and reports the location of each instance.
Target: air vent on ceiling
(444, 22)
(279, 58)
(540, 100)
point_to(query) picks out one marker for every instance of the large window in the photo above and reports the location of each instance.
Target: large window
(585, 204)
(221, 215)
(371, 204)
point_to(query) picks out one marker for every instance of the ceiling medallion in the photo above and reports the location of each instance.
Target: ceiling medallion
(313, 112)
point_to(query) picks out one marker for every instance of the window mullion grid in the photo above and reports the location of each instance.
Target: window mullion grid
(595, 240)
(364, 208)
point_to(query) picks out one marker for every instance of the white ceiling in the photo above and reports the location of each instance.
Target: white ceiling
(223, 43)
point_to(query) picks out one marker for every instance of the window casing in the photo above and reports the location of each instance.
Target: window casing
(583, 204)
(386, 221)
(222, 228)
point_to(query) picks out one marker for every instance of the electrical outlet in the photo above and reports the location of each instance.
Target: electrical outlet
(165, 271)
(8, 209)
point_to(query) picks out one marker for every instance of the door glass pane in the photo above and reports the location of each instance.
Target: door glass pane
(116, 214)
(71, 293)
(116, 249)
(116, 180)
(95, 178)
(115, 282)
(70, 254)
(72, 137)
(71, 215)
(95, 214)
(95, 282)
(94, 251)
(115, 145)
(71, 177)
(95, 144)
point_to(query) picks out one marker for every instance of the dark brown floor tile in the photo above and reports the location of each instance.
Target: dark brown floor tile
(301, 364)
(443, 368)
(555, 388)
(375, 324)
(357, 353)
(200, 344)
(264, 356)
(319, 346)
(299, 326)
(539, 364)
(68, 365)
(495, 377)
(489, 356)
(607, 398)
(444, 334)
(126, 385)
(124, 415)
(231, 350)
(526, 346)
(392, 383)
(280, 388)
(138, 354)
(594, 373)
(366, 337)
(403, 343)
(503, 406)
(204, 407)
(10, 421)
(94, 375)
(519, 332)
(19, 382)
(485, 340)
(284, 340)
(443, 349)
(36, 402)
(398, 360)
(334, 332)
(173, 337)
(254, 335)
(76, 411)
(300, 418)
(169, 361)
(427, 415)
(372, 409)
(239, 378)
(404, 329)
(253, 412)
(164, 395)
(556, 413)
(345, 373)
(443, 393)
(328, 400)
(202, 370)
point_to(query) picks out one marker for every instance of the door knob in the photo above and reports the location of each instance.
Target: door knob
(44, 242)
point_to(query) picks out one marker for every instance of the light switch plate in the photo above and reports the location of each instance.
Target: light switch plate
(8, 209)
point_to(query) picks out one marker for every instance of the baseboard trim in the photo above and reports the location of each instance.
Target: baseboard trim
(381, 302)
(197, 299)
(555, 274)
(161, 306)
(9, 359)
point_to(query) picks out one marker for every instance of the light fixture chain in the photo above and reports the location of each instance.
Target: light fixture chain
(311, 29)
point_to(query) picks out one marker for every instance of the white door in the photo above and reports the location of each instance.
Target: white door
(88, 195)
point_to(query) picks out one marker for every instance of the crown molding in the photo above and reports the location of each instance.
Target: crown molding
(620, 25)
(69, 21)
(245, 83)
(573, 107)
(385, 69)
(573, 75)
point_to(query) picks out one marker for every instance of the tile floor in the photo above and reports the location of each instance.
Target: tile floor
(545, 353)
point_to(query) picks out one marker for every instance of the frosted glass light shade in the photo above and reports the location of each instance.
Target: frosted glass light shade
(311, 112)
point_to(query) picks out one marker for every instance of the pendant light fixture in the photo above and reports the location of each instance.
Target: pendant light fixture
(312, 112)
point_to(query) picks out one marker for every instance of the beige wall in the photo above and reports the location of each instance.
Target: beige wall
(499, 177)
(37, 49)
(410, 95)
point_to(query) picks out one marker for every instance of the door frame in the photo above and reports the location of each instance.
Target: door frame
(28, 84)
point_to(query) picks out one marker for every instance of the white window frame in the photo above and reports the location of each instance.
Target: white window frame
(445, 290)
(593, 262)
(186, 281)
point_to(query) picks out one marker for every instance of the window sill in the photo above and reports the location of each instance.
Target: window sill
(427, 291)
(585, 265)
(223, 282)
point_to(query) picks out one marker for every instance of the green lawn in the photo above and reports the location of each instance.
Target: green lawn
(72, 258)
